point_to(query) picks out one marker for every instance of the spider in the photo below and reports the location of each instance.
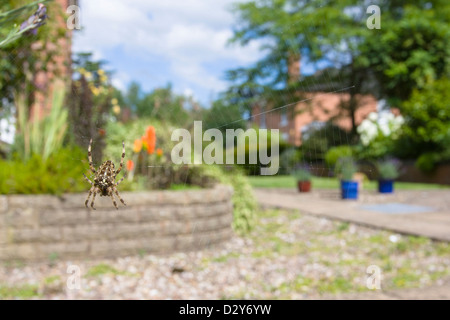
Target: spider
(104, 179)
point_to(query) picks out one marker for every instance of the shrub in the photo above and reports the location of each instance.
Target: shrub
(388, 170)
(243, 201)
(345, 168)
(302, 174)
(333, 154)
(289, 159)
(61, 172)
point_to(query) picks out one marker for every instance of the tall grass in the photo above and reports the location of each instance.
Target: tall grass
(41, 136)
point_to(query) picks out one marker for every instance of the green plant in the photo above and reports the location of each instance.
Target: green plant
(289, 159)
(333, 154)
(61, 172)
(244, 211)
(388, 170)
(30, 25)
(302, 174)
(41, 136)
(345, 168)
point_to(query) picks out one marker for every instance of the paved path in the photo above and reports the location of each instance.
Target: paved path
(433, 222)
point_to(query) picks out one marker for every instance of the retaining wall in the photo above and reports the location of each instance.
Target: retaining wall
(40, 227)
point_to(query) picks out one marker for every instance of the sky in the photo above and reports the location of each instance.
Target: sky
(184, 42)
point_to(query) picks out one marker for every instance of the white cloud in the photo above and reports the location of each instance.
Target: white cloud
(186, 33)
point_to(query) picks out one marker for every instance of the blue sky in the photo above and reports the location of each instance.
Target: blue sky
(155, 42)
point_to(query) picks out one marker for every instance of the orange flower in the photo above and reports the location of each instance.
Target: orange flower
(137, 145)
(102, 132)
(130, 165)
(150, 139)
(159, 152)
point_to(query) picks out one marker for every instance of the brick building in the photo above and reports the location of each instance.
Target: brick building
(312, 110)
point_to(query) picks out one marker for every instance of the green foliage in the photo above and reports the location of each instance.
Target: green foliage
(16, 32)
(223, 116)
(255, 150)
(410, 50)
(317, 143)
(427, 161)
(302, 174)
(427, 114)
(345, 168)
(19, 60)
(61, 172)
(25, 292)
(388, 170)
(333, 154)
(161, 104)
(42, 136)
(244, 213)
(289, 159)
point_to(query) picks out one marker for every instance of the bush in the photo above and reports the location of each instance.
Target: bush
(243, 201)
(345, 168)
(388, 170)
(302, 174)
(333, 154)
(289, 159)
(318, 141)
(61, 172)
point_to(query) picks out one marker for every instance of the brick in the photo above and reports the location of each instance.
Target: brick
(22, 218)
(50, 234)
(19, 252)
(111, 215)
(158, 245)
(33, 201)
(64, 250)
(85, 232)
(63, 217)
(114, 248)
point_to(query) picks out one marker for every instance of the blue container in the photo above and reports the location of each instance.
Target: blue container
(349, 189)
(385, 186)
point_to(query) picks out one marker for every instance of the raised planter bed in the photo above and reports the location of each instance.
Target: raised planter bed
(42, 227)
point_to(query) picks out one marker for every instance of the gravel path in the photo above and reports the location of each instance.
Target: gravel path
(287, 256)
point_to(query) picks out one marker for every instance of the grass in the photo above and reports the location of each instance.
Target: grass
(332, 183)
(26, 291)
(102, 269)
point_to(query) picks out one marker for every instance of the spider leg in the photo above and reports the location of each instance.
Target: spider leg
(119, 182)
(113, 200)
(89, 195)
(121, 159)
(118, 196)
(87, 179)
(90, 157)
(93, 198)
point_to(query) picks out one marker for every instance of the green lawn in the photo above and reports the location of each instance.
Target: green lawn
(331, 183)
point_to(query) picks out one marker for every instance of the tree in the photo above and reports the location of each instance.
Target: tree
(320, 30)
(427, 127)
(90, 101)
(410, 48)
(410, 51)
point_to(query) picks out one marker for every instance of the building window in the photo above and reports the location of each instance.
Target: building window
(285, 136)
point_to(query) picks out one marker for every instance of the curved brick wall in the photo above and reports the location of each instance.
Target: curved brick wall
(46, 227)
